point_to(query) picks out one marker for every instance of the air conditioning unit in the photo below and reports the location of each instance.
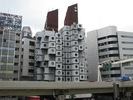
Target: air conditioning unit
(74, 49)
(67, 44)
(58, 72)
(75, 66)
(44, 64)
(68, 67)
(51, 51)
(83, 77)
(79, 26)
(59, 47)
(51, 44)
(67, 61)
(58, 35)
(74, 55)
(58, 59)
(74, 60)
(51, 39)
(75, 72)
(66, 33)
(59, 53)
(51, 64)
(68, 79)
(44, 46)
(74, 43)
(68, 73)
(58, 41)
(67, 38)
(82, 71)
(75, 79)
(58, 79)
(80, 36)
(58, 65)
(81, 47)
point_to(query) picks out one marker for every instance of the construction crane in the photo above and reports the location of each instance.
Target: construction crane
(108, 64)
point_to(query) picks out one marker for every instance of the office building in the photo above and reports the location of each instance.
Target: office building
(10, 49)
(108, 44)
(10, 32)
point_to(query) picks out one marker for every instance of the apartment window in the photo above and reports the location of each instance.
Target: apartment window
(126, 64)
(32, 43)
(31, 50)
(31, 64)
(113, 55)
(31, 71)
(111, 36)
(31, 57)
(17, 41)
(128, 55)
(16, 49)
(101, 38)
(16, 56)
(129, 68)
(127, 48)
(112, 42)
(125, 36)
(15, 64)
(115, 75)
(114, 48)
(23, 42)
(125, 42)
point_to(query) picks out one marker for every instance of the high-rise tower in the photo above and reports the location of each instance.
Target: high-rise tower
(10, 32)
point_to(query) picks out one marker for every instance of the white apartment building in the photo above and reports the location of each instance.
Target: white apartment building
(27, 55)
(109, 44)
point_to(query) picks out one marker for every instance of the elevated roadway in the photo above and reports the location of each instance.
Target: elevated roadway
(30, 88)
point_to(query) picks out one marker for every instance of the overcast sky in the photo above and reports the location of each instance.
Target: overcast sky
(93, 14)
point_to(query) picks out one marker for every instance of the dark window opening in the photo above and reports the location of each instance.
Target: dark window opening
(32, 43)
